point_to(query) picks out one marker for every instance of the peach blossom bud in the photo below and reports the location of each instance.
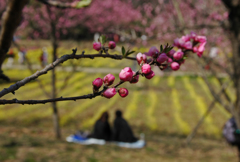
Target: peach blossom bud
(146, 68)
(109, 93)
(97, 46)
(150, 75)
(178, 55)
(188, 45)
(162, 58)
(169, 60)
(199, 54)
(141, 58)
(126, 74)
(97, 83)
(111, 44)
(186, 38)
(193, 35)
(175, 66)
(176, 42)
(135, 78)
(153, 52)
(195, 49)
(123, 92)
(171, 52)
(108, 79)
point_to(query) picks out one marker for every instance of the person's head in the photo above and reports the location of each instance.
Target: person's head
(118, 113)
(104, 116)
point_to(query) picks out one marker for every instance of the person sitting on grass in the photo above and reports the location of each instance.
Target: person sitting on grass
(102, 128)
(121, 130)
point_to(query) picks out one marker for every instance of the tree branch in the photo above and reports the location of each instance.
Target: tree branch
(62, 59)
(32, 102)
(214, 94)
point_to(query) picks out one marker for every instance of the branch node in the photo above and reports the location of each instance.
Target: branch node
(74, 51)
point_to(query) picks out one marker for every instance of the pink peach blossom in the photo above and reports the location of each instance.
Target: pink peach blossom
(109, 93)
(150, 75)
(162, 58)
(123, 92)
(141, 58)
(171, 52)
(111, 44)
(175, 66)
(178, 55)
(153, 51)
(146, 68)
(97, 83)
(97, 46)
(188, 45)
(108, 79)
(126, 74)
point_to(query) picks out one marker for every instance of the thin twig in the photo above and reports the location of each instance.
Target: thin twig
(60, 60)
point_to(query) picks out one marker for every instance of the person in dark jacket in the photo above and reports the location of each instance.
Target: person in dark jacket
(102, 128)
(231, 133)
(121, 130)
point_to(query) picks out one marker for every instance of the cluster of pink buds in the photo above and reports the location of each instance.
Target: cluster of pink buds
(98, 46)
(110, 91)
(162, 58)
(168, 57)
(191, 42)
(145, 68)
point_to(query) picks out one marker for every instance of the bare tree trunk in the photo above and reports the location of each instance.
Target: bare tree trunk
(54, 104)
(10, 20)
(234, 35)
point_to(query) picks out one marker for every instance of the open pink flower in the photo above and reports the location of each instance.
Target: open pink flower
(123, 92)
(188, 45)
(108, 79)
(141, 58)
(97, 83)
(201, 39)
(146, 68)
(126, 74)
(97, 46)
(109, 93)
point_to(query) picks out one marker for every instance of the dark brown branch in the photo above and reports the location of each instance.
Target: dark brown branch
(210, 107)
(62, 59)
(32, 102)
(214, 94)
(89, 96)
